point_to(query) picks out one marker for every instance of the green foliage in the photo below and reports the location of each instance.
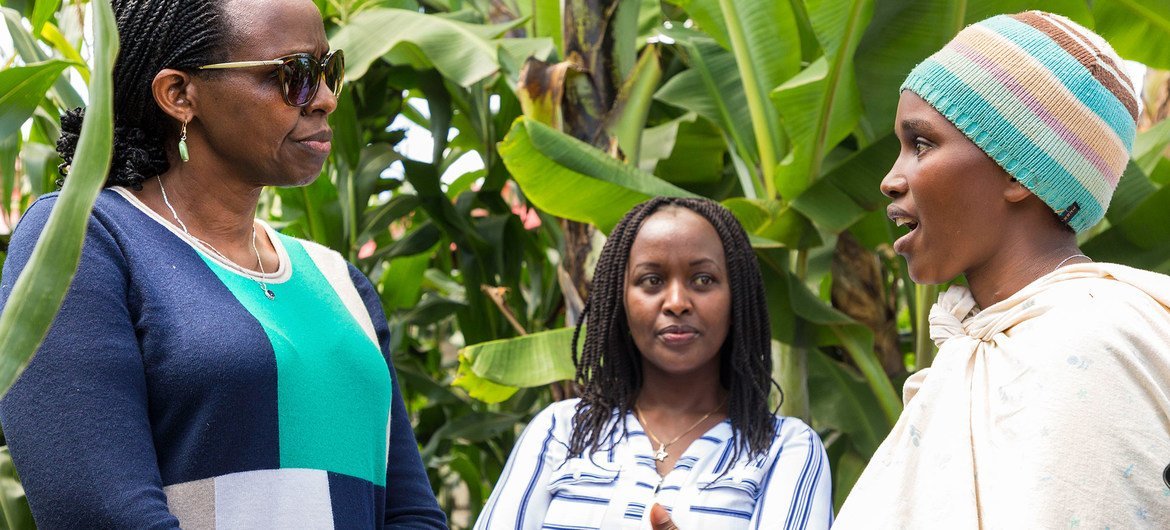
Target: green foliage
(569, 179)
(462, 52)
(21, 90)
(1139, 31)
(12, 502)
(781, 110)
(37, 294)
(529, 361)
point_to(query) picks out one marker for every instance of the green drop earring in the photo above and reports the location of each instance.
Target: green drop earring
(183, 154)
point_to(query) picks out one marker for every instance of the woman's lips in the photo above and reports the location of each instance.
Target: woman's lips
(901, 218)
(320, 142)
(902, 244)
(317, 145)
(678, 335)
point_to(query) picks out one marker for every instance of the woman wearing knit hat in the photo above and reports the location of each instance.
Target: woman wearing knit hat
(1048, 404)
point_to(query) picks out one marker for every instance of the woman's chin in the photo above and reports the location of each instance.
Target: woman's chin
(304, 179)
(925, 274)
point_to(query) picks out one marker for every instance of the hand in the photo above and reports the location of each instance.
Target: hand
(660, 520)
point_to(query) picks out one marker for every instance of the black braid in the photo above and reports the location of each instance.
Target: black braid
(153, 34)
(609, 369)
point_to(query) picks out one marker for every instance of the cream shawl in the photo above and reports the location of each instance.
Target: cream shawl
(1050, 409)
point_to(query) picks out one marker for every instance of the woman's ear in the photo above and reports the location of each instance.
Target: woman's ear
(173, 93)
(1014, 191)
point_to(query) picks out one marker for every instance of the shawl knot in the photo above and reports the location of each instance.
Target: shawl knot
(948, 314)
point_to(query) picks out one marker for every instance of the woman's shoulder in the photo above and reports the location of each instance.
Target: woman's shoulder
(557, 419)
(312, 247)
(108, 204)
(329, 262)
(790, 429)
(791, 435)
(787, 432)
(107, 220)
(1118, 299)
(558, 414)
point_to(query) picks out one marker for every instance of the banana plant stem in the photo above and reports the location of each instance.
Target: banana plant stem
(924, 296)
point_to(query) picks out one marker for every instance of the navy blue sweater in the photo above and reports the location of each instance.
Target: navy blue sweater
(170, 390)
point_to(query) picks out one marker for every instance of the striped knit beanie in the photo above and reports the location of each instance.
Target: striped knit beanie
(1044, 97)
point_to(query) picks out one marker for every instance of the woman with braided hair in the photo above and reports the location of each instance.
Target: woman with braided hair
(188, 379)
(672, 424)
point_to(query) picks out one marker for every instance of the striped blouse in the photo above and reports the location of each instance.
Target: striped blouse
(614, 488)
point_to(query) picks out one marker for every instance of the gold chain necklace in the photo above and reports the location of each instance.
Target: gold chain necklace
(661, 454)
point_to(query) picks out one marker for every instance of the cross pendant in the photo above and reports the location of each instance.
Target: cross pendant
(661, 454)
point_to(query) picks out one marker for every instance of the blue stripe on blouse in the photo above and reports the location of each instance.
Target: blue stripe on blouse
(722, 511)
(577, 476)
(535, 474)
(768, 477)
(804, 488)
(580, 498)
(723, 458)
(816, 476)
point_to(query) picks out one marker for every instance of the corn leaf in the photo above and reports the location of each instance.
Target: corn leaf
(40, 289)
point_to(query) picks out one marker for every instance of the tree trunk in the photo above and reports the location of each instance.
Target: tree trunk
(859, 291)
(591, 87)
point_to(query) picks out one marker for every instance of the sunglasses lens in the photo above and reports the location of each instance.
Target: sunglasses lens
(299, 81)
(335, 72)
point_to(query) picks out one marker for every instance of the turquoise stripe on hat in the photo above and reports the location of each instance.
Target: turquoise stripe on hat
(1071, 73)
(988, 129)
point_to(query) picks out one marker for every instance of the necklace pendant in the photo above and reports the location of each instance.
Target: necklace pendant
(661, 454)
(268, 292)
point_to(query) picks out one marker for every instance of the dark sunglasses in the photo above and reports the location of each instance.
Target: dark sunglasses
(299, 74)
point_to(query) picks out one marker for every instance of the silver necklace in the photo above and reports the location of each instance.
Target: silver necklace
(1066, 260)
(263, 287)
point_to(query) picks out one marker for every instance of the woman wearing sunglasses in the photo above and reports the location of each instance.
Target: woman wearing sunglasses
(205, 370)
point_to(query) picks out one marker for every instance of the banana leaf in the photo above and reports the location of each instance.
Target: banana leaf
(712, 88)
(765, 41)
(527, 361)
(904, 32)
(821, 105)
(1138, 29)
(464, 53)
(568, 178)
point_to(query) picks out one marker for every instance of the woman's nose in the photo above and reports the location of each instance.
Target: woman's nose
(677, 301)
(894, 183)
(324, 99)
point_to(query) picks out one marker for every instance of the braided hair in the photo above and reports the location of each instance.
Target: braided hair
(609, 367)
(153, 35)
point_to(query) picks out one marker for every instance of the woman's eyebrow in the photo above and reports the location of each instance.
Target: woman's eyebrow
(645, 264)
(917, 125)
